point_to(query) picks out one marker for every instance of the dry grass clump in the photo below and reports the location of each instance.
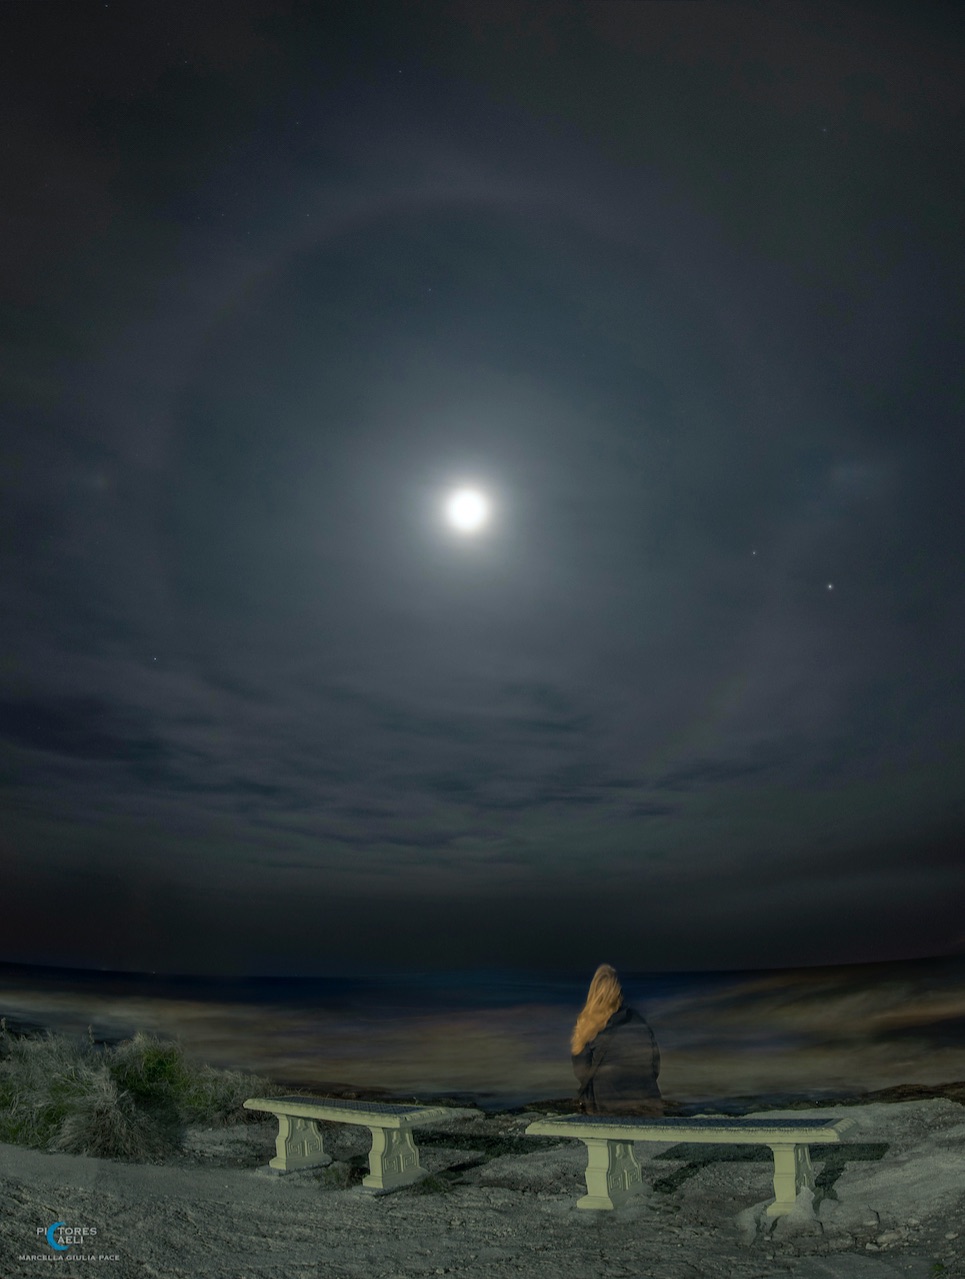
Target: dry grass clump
(131, 1101)
(108, 1122)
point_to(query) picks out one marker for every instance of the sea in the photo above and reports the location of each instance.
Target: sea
(499, 1038)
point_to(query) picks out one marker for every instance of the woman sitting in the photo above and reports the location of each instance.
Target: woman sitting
(615, 1054)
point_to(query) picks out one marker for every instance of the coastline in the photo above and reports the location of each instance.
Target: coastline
(730, 1103)
(501, 1040)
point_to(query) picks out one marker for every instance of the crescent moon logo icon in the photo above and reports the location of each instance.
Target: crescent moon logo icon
(61, 1247)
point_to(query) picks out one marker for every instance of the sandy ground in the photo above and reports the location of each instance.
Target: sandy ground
(891, 1203)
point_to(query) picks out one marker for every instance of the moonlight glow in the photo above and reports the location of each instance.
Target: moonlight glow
(467, 510)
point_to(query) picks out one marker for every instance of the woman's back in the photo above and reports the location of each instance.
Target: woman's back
(618, 1068)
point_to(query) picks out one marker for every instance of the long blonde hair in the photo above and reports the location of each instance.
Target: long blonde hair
(605, 996)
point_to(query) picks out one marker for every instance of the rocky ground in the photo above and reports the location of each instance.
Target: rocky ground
(498, 1204)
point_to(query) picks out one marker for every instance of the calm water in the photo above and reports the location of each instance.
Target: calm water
(501, 1037)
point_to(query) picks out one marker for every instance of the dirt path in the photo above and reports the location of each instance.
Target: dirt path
(213, 1212)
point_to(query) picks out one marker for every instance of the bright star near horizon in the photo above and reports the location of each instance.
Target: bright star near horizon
(467, 510)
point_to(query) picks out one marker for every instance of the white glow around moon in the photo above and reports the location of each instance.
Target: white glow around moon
(467, 510)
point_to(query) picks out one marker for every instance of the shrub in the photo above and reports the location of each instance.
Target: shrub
(40, 1082)
(131, 1101)
(149, 1068)
(216, 1097)
(108, 1123)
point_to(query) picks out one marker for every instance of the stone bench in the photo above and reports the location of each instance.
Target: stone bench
(613, 1174)
(393, 1159)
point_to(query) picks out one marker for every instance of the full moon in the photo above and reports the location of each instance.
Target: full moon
(467, 510)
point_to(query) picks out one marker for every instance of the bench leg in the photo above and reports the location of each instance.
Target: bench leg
(298, 1145)
(792, 1174)
(612, 1173)
(393, 1160)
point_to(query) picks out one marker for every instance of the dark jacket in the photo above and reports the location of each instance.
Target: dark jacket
(618, 1069)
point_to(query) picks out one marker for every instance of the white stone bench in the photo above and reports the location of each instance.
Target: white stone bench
(393, 1159)
(613, 1174)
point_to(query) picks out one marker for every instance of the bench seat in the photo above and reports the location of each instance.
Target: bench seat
(393, 1159)
(613, 1174)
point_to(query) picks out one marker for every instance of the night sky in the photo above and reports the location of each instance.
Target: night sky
(678, 287)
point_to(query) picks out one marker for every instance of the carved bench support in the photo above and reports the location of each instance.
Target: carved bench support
(792, 1174)
(393, 1159)
(612, 1173)
(298, 1145)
